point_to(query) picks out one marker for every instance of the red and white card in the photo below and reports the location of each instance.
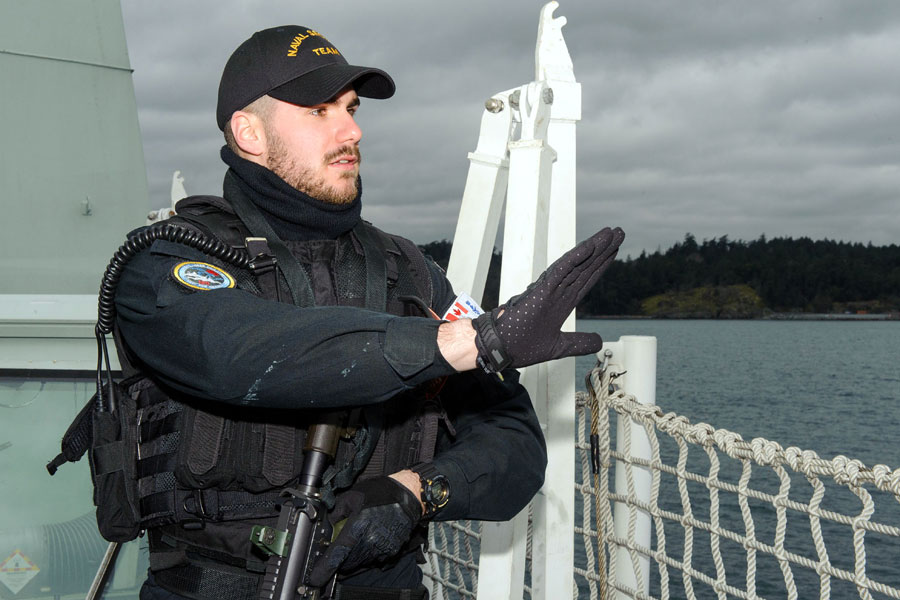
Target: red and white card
(462, 308)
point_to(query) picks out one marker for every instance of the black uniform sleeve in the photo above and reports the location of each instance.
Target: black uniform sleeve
(496, 456)
(496, 459)
(229, 345)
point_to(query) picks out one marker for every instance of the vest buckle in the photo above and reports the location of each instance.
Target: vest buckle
(263, 259)
(196, 504)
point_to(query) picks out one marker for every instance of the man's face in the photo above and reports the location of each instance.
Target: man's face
(315, 149)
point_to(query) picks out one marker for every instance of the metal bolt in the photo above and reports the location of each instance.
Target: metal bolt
(514, 99)
(548, 95)
(269, 536)
(493, 105)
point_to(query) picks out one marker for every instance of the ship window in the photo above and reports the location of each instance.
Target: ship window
(49, 543)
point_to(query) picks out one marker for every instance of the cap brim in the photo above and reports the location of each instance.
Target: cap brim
(324, 83)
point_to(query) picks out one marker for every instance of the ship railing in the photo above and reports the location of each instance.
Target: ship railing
(673, 509)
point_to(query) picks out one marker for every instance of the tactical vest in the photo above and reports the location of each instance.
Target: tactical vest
(199, 474)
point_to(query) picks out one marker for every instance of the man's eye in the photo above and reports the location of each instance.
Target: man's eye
(317, 112)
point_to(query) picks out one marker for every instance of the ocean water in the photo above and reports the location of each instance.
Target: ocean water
(830, 387)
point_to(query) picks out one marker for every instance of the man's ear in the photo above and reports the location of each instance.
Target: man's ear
(249, 133)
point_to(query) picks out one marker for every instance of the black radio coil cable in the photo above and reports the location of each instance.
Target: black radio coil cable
(140, 241)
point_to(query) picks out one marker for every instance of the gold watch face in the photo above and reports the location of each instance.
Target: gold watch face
(439, 489)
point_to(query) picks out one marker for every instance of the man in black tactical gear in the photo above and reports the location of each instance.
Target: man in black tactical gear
(334, 316)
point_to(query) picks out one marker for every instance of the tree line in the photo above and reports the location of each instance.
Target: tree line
(785, 274)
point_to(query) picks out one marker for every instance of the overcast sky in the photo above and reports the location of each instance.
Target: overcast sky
(714, 118)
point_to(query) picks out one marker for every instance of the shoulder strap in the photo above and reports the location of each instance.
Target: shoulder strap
(417, 266)
(212, 215)
(376, 265)
(298, 282)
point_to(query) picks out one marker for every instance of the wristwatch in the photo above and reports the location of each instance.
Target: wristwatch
(435, 488)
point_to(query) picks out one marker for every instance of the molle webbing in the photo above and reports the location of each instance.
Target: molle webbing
(162, 500)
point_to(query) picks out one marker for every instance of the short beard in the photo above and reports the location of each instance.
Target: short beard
(303, 180)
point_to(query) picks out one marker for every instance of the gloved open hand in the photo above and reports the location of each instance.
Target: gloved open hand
(381, 514)
(526, 329)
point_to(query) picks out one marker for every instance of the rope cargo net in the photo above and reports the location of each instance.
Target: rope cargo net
(719, 516)
(452, 557)
(732, 519)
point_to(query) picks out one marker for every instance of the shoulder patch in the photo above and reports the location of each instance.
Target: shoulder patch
(202, 276)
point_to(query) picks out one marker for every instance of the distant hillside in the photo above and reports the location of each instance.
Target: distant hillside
(721, 278)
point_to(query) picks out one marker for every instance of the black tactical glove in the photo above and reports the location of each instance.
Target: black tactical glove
(381, 514)
(526, 330)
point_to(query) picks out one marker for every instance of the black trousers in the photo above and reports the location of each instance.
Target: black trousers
(152, 591)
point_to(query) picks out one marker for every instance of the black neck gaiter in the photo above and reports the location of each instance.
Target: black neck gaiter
(291, 213)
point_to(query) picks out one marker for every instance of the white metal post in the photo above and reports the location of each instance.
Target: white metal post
(482, 203)
(525, 240)
(637, 354)
(553, 547)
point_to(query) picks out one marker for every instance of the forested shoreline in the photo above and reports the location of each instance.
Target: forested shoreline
(722, 278)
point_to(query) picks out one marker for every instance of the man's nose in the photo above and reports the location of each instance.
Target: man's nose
(348, 130)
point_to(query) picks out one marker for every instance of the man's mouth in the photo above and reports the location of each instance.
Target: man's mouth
(344, 158)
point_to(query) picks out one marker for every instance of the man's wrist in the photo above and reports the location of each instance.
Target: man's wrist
(492, 355)
(456, 343)
(410, 481)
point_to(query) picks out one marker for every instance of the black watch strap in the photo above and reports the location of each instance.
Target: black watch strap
(435, 488)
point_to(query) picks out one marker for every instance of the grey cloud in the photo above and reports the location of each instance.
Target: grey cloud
(715, 118)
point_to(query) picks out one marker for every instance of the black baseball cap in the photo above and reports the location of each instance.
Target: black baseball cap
(295, 64)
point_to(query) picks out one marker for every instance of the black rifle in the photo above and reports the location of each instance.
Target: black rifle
(303, 531)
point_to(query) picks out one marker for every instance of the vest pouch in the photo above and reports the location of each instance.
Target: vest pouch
(205, 450)
(271, 454)
(225, 450)
(112, 462)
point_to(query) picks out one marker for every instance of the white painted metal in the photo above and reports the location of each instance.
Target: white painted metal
(525, 256)
(528, 196)
(482, 204)
(501, 565)
(637, 355)
(553, 549)
(176, 193)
